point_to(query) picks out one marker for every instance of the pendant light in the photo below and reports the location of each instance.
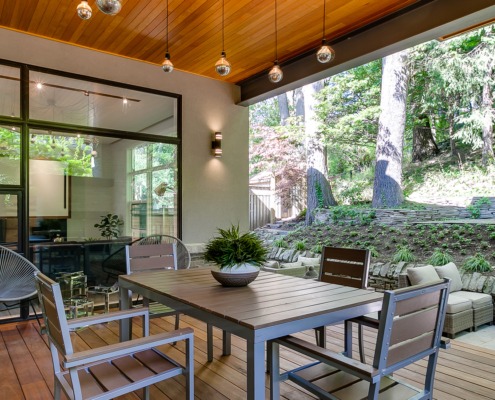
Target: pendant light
(326, 53)
(84, 10)
(222, 66)
(167, 65)
(275, 75)
(109, 7)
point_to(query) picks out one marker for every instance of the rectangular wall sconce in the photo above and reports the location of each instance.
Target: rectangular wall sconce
(216, 144)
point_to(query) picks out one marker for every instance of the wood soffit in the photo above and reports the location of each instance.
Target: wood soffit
(195, 30)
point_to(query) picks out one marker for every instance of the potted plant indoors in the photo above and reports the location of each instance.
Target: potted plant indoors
(238, 256)
(109, 226)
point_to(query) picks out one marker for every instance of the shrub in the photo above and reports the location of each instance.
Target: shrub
(317, 248)
(300, 245)
(477, 263)
(280, 243)
(440, 257)
(373, 251)
(403, 253)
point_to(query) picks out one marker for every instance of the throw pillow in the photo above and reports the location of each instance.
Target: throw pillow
(450, 271)
(420, 275)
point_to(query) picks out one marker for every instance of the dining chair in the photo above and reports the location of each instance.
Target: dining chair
(410, 329)
(17, 287)
(115, 369)
(347, 267)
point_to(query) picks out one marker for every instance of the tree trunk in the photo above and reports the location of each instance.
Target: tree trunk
(487, 102)
(319, 192)
(424, 144)
(387, 190)
(283, 108)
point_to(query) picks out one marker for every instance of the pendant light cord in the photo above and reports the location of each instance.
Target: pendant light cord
(223, 26)
(276, 33)
(167, 26)
(324, 15)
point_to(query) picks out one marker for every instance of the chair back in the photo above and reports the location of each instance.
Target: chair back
(347, 267)
(151, 257)
(52, 306)
(411, 325)
(16, 276)
(182, 254)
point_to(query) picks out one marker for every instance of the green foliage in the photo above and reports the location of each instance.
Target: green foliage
(109, 226)
(373, 251)
(475, 209)
(232, 248)
(281, 243)
(440, 257)
(403, 253)
(317, 248)
(319, 195)
(477, 263)
(300, 245)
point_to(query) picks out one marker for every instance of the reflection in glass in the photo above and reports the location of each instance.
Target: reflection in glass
(10, 155)
(10, 88)
(9, 221)
(66, 100)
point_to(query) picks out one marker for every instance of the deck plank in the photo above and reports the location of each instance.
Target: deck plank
(464, 371)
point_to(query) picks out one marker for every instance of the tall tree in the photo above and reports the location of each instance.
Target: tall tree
(387, 190)
(319, 192)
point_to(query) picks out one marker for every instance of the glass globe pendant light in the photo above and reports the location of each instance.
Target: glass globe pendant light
(110, 7)
(222, 66)
(167, 65)
(325, 54)
(84, 11)
(275, 75)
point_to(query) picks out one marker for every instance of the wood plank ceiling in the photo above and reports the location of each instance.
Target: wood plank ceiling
(195, 29)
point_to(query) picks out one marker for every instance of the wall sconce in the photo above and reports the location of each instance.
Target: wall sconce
(216, 144)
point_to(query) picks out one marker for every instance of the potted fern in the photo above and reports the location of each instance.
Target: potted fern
(238, 256)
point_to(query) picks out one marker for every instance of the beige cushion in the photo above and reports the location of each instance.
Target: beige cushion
(309, 261)
(457, 304)
(271, 264)
(450, 271)
(421, 275)
(478, 299)
(291, 265)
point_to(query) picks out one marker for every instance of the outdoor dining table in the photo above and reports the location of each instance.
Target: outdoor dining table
(272, 306)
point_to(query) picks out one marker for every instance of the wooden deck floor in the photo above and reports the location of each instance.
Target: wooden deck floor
(463, 372)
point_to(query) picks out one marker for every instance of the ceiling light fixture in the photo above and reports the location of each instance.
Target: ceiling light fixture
(222, 66)
(109, 7)
(167, 65)
(275, 75)
(84, 10)
(326, 53)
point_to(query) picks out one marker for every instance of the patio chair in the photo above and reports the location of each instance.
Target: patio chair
(182, 254)
(112, 370)
(347, 267)
(17, 282)
(410, 329)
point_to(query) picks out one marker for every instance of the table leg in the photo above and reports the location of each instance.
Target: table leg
(255, 370)
(226, 343)
(125, 323)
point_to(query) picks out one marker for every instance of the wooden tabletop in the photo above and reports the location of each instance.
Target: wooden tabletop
(272, 299)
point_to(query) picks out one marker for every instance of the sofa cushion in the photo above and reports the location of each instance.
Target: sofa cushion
(309, 261)
(291, 265)
(271, 264)
(421, 275)
(478, 299)
(457, 304)
(450, 271)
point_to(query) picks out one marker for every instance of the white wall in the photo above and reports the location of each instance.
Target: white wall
(215, 191)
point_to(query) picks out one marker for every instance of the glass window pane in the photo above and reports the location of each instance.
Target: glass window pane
(140, 158)
(10, 104)
(163, 154)
(10, 156)
(140, 187)
(9, 220)
(61, 99)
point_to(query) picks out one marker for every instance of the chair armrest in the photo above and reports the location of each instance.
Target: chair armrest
(445, 343)
(367, 320)
(326, 356)
(124, 348)
(113, 316)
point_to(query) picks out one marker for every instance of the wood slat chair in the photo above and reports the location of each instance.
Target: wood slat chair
(113, 370)
(410, 329)
(347, 267)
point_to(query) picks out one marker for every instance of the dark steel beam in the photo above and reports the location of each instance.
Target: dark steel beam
(429, 20)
